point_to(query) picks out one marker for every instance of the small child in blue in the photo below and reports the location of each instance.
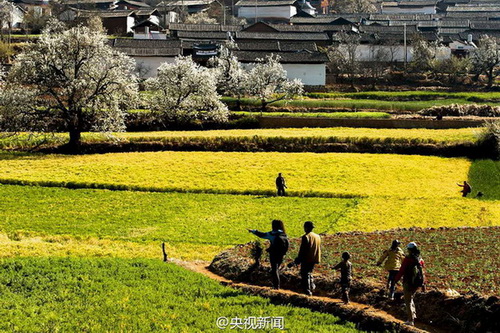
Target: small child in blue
(345, 268)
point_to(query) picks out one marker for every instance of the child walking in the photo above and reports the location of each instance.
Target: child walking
(345, 268)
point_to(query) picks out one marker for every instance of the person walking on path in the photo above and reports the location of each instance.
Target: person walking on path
(466, 188)
(277, 249)
(345, 267)
(392, 259)
(280, 185)
(412, 272)
(309, 255)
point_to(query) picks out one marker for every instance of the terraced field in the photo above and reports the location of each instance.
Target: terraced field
(139, 295)
(78, 255)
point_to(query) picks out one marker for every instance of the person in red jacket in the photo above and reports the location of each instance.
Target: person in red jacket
(466, 189)
(412, 272)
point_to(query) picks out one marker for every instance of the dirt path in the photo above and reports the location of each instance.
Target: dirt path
(366, 317)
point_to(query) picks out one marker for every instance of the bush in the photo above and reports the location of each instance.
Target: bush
(490, 138)
(460, 110)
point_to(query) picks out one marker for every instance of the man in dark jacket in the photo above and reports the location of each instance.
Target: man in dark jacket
(280, 185)
(309, 255)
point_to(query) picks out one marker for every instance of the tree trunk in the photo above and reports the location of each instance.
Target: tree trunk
(490, 77)
(75, 137)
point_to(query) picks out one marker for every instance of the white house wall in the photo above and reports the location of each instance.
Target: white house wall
(283, 12)
(130, 23)
(394, 53)
(309, 74)
(151, 64)
(416, 10)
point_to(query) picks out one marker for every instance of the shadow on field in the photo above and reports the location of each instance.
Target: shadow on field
(484, 176)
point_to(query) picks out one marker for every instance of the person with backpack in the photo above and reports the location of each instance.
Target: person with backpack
(277, 249)
(345, 268)
(280, 185)
(412, 272)
(309, 255)
(466, 188)
(392, 259)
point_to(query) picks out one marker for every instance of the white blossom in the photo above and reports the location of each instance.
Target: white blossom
(268, 82)
(184, 91)
(71, 78)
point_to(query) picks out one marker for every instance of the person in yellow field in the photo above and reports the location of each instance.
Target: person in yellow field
(309, 255)
(392, 258)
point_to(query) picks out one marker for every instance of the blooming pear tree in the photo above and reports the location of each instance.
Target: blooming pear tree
(70, 78)
(486, 58)
(184, 91)
(231, 76)
(267, 81)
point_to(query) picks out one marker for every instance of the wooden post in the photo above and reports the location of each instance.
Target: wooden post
(164, 252)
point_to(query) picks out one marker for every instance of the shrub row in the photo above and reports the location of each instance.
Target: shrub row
(460, 110)
(292, 144)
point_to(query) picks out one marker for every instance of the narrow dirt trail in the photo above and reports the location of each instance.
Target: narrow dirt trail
(366, 317)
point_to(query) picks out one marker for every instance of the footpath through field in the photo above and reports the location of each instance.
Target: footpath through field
(365, 316)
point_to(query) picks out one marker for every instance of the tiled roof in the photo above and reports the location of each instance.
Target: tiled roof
(388, 29)
(285, 57)
(282, 36)
(148, 47)
(203, 27)
(283, 46)
(310, 28)
(488, 25)
(473, 9)
(203, 34)
(326, 19)
(272, 3)
(136, 3)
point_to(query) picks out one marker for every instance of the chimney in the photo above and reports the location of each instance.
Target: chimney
(469, 38)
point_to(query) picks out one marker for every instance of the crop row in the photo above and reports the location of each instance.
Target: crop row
(462, 259)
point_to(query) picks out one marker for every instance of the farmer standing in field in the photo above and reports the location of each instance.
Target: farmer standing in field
(412, 272)
(309, 255)
(466, 188)
(392, 257)
(280, 185)
(277, 249)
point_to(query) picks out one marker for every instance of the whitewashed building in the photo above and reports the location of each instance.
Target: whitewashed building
(266, 10)
(409, 7)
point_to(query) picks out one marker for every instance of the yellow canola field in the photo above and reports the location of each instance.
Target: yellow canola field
(341, 175)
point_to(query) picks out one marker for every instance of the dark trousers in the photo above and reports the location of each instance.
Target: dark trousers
(390, 282)
(275, 271)
(281, 191)
(306, 270)
(346, 286)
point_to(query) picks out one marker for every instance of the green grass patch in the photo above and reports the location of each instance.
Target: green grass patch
(105, 295)
(411, 95)
(484, 176)
(355, 104)
(339, 115)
